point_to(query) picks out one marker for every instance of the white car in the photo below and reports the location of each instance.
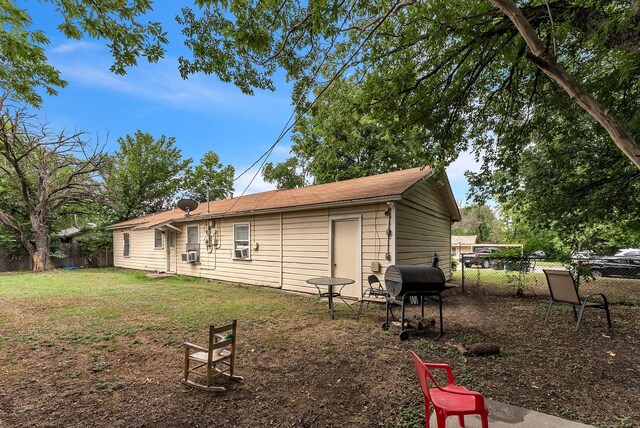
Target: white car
(627, 252)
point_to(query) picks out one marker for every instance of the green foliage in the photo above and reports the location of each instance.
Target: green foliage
(211, 174)
(285, 175)
(479, 220)
(436, 78)
(24, 67)
(144, 176)
(339, 139)
(40, 175)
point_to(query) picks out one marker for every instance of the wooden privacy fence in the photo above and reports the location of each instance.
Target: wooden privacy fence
(10, 262)
(74, 256)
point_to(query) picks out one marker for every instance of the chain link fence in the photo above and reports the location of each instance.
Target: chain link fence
(617, 277)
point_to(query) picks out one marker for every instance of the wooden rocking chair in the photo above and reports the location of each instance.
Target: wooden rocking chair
(218, 359)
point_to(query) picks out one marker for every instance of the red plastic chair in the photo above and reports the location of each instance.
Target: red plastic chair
(448, 400)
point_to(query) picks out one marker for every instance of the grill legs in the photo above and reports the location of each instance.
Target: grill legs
(404, 333)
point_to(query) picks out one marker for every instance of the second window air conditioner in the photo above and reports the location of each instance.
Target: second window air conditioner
(190, 257)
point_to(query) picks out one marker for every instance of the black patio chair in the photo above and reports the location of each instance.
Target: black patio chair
(376, 293)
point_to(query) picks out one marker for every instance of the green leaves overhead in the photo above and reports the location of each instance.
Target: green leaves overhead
(23, 63)
(440, 77)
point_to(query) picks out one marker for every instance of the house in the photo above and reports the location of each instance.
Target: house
(461, 244)
(73, 244)
(281, 238)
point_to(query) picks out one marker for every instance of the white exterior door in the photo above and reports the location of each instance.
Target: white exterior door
(171, 250)
(346, 257)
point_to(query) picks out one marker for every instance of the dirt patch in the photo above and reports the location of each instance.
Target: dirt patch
(310, 371)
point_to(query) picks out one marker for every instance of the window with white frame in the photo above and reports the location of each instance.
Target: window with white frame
(125, 249)
(157, 239)
(192, 235)
(241, 241)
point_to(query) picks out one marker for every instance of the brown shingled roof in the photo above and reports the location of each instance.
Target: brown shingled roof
(464, 239)
(390, 185)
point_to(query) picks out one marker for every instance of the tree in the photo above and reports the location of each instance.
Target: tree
(144, 176)
(515, 84)
(210, 179)
(289, 174)
(567, 187)
(456, 70)
(42, 171)
(479, 220)
(341, 138)
(23, 63)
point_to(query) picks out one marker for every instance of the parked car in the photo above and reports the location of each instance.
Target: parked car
(580, 256)
(628, 252)
(623, 267)
(481, 257)
(539, 254)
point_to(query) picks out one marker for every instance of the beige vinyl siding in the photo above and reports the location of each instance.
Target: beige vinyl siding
(142, 254)
(217, 262)
(305, 248)
(289, 248)
(306, 243)
(423, 226)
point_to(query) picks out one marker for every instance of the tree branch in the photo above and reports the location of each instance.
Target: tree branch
(546, 61)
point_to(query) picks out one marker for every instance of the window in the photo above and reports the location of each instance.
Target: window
(241, 241)
(125, 250)
(172, 239)
(192, 235)
(157, 239)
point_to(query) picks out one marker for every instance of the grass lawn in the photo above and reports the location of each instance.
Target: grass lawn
(103, 348)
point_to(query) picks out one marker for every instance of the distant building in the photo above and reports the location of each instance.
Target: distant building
(461, 244)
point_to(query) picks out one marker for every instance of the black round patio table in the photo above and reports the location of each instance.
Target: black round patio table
(330, 283)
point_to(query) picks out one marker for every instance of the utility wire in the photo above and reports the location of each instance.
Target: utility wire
(303, 95)
(288, 127)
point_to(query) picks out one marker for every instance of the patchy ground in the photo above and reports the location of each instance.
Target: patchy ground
(96, 353)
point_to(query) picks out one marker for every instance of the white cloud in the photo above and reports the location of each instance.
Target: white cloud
(282, 150)
(73, 46)
(258, 185)
(162, 83)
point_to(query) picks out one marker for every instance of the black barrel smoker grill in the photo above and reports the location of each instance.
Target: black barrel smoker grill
(422, 281)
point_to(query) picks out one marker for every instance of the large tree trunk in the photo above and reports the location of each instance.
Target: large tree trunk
(40, 256)
(547, 63)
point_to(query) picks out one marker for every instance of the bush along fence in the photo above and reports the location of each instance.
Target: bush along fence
(525, 275)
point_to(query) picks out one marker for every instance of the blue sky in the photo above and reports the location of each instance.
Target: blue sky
(202, 113)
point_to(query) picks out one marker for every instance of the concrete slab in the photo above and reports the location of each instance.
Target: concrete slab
(503, 415)
(160, 275)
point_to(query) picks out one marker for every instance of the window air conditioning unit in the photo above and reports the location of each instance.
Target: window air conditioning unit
(241, 253)
(190, 256)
